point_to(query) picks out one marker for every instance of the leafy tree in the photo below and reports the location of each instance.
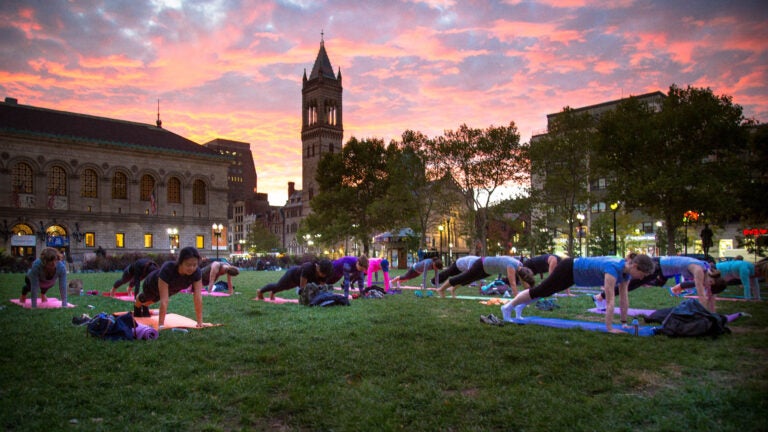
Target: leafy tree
(753, 194)
(680, 158)
(350, 182)
(562, 158)
(481, 161)
(261, 239)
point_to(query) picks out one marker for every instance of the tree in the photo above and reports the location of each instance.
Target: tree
(261, 239)
(481, 161)
(350, 182)
(562, 158)
(680, 158)
(753, 194)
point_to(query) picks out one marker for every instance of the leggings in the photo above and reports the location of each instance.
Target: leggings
(44, 286)
(289, 280)
(452, 270)
(475, 272)
(560, 279)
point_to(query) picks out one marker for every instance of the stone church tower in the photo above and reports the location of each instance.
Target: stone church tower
(322, 129)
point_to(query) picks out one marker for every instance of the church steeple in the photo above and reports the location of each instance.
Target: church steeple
(322, 129)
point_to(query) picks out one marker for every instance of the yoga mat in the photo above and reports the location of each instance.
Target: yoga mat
(52, 303)
(171, 321)
(584, 325)
(617, 311)
(466, 297)
(278, 300)
(206, 293)
(124, 296)
(717, 297)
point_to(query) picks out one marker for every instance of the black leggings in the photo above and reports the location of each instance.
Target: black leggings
(452, 270)
(28, 287)
(475, 272)
(560, 279)
(291, 279)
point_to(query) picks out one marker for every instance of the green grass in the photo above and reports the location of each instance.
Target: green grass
(401, 363)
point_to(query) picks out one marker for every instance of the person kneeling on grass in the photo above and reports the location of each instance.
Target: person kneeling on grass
(44, 273)
(133, 275)
(299, 276)
(593, 271)
(170, 279)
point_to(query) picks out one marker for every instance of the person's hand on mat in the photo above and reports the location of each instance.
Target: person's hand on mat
(677, 289)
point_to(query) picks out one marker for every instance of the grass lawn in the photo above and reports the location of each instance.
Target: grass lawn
(400, 363)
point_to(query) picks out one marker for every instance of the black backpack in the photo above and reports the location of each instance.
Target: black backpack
(690, 318)
(111, 327)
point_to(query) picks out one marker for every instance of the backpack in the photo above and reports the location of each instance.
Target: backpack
(690, 318)
(497, 287)
(373, 292)
(110, 327)
(310, 291)
(547, 304)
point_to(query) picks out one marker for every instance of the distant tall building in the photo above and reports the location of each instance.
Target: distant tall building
(322, 129)
(241, 175)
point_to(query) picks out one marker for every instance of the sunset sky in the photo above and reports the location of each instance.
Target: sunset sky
(233, 69)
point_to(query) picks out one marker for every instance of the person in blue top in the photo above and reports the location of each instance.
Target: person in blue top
(747, 272)
(700, 272)
(351, 268)
(43, 274)
(421, 268)
(171, 278)
(593, 271)
(133, 274)
(490, 265)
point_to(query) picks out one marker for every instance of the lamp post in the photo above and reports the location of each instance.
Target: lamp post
(614, 207)
(172, 233)
(441, 228)
(689, 216)
(659, 224)
(580, 217)
(217, 233)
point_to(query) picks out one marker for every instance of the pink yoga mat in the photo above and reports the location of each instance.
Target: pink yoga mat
(124, 296)
(278, 300)
(171, 321)
(206, 293)
(52, 303)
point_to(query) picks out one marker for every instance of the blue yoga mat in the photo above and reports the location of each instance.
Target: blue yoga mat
(584, 325)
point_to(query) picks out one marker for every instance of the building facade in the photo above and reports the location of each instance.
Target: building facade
(82, 183)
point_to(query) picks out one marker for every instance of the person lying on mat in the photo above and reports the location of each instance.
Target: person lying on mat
(486, 266)
(169, 279)
(421, 267)
(299, 276)
(133, 275)
(458, 267)
(43, 274)
(351, 268)
(216, 269)
(593, 271)
(747, 272)
(665, 267)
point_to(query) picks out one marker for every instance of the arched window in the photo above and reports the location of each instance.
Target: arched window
(198, 192)
(147, 187)
(57, 181)
(89, 184)
(21, 178)
(119, 186)
(174, 190)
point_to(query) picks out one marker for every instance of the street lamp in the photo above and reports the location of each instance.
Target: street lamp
(172, 233)
(217, 233)
(689, 216)
(580, 217)
(441, 228)
(614, 207)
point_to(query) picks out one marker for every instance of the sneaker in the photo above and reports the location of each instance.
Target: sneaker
(145, 312)
(599, 303)
(81, 320)
(137, 311)
(495, 321)
(485, 319)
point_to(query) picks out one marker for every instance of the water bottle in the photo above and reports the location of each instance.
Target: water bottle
(81, 291)
(179, 330)
(636, 326)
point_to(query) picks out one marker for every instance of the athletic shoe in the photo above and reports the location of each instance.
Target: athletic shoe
(599, 303)
(495, 321)
(145, 312)
(137, 311)
(81, 320)
(485, 320)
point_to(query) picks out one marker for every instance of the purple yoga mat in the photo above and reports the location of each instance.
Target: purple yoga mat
(617, 311)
